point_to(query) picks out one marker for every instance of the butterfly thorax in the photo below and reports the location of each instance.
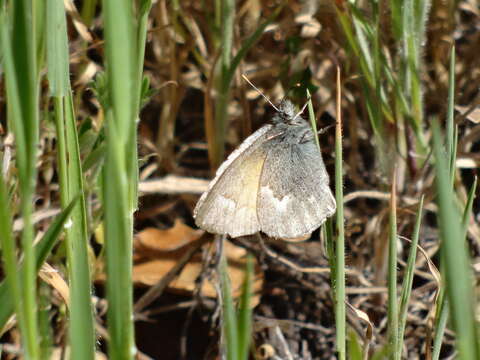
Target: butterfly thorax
(289, 127)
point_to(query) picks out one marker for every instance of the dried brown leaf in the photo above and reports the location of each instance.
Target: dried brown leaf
(178, 236)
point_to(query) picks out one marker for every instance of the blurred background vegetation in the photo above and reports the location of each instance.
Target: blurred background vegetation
(114, 115)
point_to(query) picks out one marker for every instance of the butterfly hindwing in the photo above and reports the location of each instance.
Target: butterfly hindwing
(294, 197)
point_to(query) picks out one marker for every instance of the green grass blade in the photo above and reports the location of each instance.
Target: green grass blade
(81, 329)
(440, 324)
(228, 17)
(44, 316)
(330, 250)
(118, 233)
(396, 14)
(45, 245)
(121, 70)
(457, 272)
(57, 50)
(443, 312)
(453, 156)
(18, 42)
(245, 312)
(467, 212)
(451, 105)
(311, 118)
(223, 83)
(451, 138)
(392, 271)
(120, 175)
(10, 287)
(141, 37)
(340, 297)
(82, 332)
(354, 348)
(88, 11)
(229, 326)
(408, 280)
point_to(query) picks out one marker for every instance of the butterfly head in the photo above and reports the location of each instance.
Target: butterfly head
(287, 115)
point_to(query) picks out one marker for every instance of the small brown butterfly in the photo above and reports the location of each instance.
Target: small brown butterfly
(274, 182)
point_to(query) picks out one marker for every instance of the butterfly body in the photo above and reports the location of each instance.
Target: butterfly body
(274, 182)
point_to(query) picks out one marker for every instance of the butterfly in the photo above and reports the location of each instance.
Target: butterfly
(275, 182)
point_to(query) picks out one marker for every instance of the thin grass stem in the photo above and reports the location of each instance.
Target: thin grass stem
(408, 281)
(392, 312)
(340, 312)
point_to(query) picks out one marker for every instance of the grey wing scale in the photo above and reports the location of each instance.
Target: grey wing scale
(294, 196)
(229, 204)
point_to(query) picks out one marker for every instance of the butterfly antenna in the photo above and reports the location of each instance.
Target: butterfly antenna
(302, 109)
(267, 99)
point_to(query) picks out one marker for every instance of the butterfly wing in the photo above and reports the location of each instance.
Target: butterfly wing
(229, 204)
(294, 197)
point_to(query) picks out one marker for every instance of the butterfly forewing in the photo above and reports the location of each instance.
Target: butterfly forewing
(229, 205)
